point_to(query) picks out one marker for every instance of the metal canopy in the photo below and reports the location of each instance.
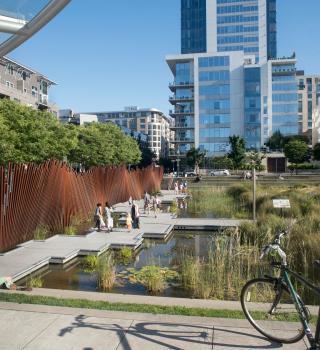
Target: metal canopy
(20, 19)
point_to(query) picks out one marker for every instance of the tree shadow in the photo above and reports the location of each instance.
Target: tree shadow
(163, 334)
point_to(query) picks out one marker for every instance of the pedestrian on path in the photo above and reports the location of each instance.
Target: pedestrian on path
(155, 204)
(137, 211)
(146, 200)
(108, 210)
(98, 217)
(181, 187)
(129, 222)
(176, 188)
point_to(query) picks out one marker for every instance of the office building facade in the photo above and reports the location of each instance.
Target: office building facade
(25, 85)
(229, 25)
(228, 81)
(150, 121)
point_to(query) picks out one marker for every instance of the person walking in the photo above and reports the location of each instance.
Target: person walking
(133, 214)
(129, 222)
(176, 188)
(181, 187)
(155, 205)
(108, 216)
(98, 216)
(137, 219)
(185, 185)
(146, 200)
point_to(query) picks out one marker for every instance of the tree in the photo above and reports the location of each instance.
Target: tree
(254, 160)
(221, 162)
(276, 141)
(195, 158)
(316, 151)
(147, 155)
(238, 151)
(166, 163)
(104, 144)
(296, 151)
(29, 135)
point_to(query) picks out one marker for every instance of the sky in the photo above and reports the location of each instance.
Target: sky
(105, 55)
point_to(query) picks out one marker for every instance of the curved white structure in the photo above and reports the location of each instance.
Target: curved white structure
(22, 24)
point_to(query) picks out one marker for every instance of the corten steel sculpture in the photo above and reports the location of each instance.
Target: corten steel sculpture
(52, 193)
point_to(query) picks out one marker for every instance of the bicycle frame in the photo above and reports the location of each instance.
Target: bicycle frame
(285, 273)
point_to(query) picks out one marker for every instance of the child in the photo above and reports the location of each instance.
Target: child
(129, 222)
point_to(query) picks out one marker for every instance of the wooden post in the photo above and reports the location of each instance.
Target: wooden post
(254, 194)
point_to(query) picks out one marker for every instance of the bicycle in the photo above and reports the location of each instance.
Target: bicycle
(268, 301)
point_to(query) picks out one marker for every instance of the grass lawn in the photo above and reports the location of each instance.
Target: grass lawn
(144, 308)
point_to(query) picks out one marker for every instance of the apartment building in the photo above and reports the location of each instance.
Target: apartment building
(150, 121)
(308, 102)
(25, 85)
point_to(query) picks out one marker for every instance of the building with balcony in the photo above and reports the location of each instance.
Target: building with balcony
(25, 85)
(150, 121)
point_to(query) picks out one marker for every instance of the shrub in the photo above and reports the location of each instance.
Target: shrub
(41, 232)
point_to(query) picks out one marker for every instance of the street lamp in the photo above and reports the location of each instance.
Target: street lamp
(178, 161)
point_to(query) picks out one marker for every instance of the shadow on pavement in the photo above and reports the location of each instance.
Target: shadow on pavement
(164, 334)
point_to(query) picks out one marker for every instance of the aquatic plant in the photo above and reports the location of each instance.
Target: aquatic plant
(90, 262)
(106, 272)
(34, 282)
(70, 230)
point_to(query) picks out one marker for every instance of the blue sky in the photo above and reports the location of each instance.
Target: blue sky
(105, 55)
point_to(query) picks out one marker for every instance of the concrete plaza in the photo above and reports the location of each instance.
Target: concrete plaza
(37, 327)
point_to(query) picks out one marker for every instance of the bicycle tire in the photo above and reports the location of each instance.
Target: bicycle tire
(258, 297)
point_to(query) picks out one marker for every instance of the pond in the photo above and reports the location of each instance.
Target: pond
(74, 275)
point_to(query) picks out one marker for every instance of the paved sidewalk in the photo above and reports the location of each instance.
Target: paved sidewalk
(37, 327)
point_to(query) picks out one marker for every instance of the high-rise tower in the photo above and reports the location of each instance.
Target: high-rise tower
(229, 25)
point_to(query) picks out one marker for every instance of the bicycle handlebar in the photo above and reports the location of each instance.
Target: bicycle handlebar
(275, 247)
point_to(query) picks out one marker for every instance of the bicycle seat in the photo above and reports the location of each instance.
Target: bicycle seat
(317, 263)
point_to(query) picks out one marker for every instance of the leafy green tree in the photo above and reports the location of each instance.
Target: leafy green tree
(195, 158)
(221, 162)
(276, 141)
(238, 151)
(104, 144)
(147, 155)
(29, 135)
(316, 151)
(166, 163)
(296, 151)
(254, 160)
(302, 138)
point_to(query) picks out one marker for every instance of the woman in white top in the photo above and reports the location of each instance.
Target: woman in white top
(108, 216)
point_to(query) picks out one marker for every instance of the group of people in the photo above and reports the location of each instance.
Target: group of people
(151, 202)
(104, 218)
(133, 218)
(180, 188)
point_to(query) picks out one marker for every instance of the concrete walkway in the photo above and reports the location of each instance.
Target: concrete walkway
(59, 249)
(37, 327)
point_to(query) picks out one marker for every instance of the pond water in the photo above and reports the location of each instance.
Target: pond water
(74, 276)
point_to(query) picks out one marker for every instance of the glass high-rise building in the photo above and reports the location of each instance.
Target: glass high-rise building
(229, 25)
(228, 80)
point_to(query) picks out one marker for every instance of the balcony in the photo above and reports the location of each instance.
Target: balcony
(183, 140)
(175, 99)
(175, 85)
(182, 126)
(174, 113)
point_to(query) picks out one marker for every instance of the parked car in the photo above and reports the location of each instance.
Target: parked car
(223, 172)
(190, 174)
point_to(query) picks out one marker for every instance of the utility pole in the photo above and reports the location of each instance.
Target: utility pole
(254, 194)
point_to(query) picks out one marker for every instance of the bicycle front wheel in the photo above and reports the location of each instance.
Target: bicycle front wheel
(271, 310)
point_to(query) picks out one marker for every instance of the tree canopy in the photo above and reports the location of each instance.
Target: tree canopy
(316, 151)
(238, 151)
(29, 135)
(195, 157)
(296, 151)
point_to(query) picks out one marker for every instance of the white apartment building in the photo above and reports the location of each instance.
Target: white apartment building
(150, 121)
